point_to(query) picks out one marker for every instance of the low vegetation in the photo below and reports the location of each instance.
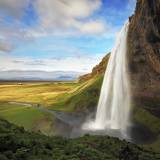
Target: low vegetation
(17, 144)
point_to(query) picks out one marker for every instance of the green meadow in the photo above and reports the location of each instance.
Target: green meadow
(47, 94)
(50, 95)
(30, 118)
(43, 93)
(62, 96)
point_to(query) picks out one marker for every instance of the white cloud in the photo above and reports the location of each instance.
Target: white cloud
(70, 15)
(55, 18)
(10, 34)
(77, 63)
(15, 8)
(93, 27)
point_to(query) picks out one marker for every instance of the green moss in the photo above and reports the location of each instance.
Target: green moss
(151, 122)
(147, 119)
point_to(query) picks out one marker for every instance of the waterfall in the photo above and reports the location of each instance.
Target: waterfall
(113, 111)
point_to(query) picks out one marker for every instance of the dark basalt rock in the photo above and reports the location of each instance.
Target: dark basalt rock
(144, 52)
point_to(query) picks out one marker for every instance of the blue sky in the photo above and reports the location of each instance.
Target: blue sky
(68, 35)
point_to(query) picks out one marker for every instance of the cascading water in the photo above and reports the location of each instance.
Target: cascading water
(113, 109)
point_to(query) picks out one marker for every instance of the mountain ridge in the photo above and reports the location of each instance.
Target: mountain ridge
(39, 75)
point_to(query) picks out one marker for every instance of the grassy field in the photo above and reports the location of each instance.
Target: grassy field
(63, 96)
(46, 93)
(28, 117)
(52, 95)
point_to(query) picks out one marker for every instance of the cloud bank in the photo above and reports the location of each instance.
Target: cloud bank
(78, 64)
(52, 16)
(72, 27)
(71, 15)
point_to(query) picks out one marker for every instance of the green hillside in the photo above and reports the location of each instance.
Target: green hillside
(17, 144)
(83, 99)
(29, 117)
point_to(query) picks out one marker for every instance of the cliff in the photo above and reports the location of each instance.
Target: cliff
(144, 53)
(97, 70)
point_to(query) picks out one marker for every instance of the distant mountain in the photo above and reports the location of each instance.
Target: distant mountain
(39, 75)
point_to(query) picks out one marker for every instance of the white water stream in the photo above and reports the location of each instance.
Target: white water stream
(113, 111)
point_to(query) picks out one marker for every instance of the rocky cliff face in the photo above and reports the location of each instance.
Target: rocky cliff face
(144, 52)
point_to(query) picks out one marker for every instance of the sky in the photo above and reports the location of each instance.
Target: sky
(59, 35)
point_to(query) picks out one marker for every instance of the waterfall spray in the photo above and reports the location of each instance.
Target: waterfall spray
(113, 111)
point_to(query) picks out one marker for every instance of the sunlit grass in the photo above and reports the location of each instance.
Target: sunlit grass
(51, 95)
(62, 96)
(41, 93)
